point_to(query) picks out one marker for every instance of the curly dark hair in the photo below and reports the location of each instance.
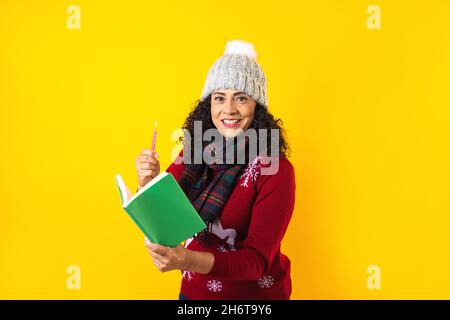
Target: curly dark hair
(263, 119)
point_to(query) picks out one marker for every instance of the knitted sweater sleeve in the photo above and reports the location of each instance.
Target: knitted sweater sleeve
(176, 167)
(271, 214)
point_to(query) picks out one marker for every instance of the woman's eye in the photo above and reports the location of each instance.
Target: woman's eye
(242, 99)
(219, 99)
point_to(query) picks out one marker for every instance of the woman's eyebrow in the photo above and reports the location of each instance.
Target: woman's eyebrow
(235, 94)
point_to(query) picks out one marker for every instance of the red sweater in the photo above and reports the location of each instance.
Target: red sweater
(246, 239)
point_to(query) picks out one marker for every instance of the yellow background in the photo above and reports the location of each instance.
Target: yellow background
(366, 112)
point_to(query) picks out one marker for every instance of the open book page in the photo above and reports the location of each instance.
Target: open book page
(127, 196)
(125, 193)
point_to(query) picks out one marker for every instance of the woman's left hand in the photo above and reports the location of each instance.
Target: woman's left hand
(168, 258)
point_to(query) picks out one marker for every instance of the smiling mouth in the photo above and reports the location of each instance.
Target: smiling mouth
(231, 123)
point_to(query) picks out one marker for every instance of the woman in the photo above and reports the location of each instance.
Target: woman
(247, 212)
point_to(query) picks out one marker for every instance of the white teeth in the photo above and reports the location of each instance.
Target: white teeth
(230, 121)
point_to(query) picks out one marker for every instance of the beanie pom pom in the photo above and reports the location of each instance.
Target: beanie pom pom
(240, 47)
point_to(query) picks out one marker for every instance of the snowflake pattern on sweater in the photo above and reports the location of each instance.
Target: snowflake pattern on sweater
(214, 285)
(251, 172)
(222, 248)
(266, 281)
(188, 275)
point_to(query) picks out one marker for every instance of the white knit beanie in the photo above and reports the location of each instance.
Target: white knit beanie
(237, 69)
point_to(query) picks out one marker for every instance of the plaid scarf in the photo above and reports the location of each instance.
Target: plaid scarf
(207, 193)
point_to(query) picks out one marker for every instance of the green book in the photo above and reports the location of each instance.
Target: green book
(161, 210)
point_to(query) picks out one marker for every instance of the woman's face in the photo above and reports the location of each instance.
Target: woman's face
(232, 111)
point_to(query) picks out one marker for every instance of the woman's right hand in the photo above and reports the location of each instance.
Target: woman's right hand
(147, 167)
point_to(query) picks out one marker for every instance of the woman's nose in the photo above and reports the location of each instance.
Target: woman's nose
(229, 108)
